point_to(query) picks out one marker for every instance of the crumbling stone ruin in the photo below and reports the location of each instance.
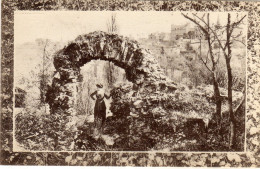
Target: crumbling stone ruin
(139, 64)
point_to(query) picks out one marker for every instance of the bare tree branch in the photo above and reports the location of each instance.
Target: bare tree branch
(207, 57)
(235, 24)
(205, 62)
(239, 41)
(196, 22)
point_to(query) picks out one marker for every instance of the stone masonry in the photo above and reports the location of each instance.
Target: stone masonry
(139, 64)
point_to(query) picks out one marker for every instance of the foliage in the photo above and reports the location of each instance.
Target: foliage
(238, 79)
(39, 77)
(164, 117)
(44, 132)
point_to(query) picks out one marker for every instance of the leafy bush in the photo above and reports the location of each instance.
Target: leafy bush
(44, 132)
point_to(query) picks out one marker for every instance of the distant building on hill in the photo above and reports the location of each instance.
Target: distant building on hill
(186, 31)
(182, 31)
(160, 36)
(154, 36)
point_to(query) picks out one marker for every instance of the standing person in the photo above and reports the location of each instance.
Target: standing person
(100, 109)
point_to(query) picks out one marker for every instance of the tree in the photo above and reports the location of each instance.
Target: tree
(204, 26)
(191, 34)
(43, 75)
(227, 51)
(112, 27)
(39, 77)
(225, 37)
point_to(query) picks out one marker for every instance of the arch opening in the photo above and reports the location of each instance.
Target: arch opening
(92, 73)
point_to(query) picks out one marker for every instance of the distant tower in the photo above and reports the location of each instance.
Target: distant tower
(218, 23)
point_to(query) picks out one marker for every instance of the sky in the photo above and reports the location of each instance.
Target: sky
(67, 25)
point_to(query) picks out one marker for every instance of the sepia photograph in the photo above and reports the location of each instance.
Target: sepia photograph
(129, 81)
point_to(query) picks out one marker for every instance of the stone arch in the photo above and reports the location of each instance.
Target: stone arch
(139, 64)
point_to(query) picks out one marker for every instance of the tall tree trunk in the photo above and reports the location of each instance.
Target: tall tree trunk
(217, 100)
(230, 107)
(110, 74)
(229, 74)
(214, 78)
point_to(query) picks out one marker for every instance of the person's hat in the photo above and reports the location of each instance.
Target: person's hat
(100, 85)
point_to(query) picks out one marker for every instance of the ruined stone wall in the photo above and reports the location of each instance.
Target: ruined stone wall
(140, 66)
